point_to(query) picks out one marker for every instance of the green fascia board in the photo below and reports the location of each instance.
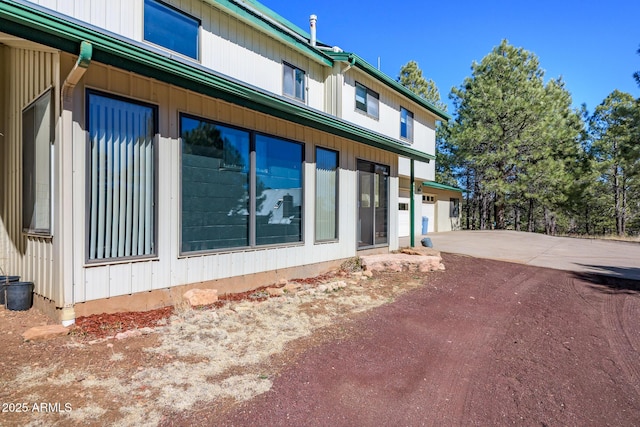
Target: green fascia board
(256, 21)
(54, 31)
(438, 186)
(280, 19)
(360, 63)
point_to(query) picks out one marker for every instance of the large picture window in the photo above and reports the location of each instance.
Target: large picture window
(278, 190)
(121, 178)
(239, 188)
(37, 137)
(215, 186)
(168, 27)
(326, 194)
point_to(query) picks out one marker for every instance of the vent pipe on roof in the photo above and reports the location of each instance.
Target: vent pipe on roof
(312, 23)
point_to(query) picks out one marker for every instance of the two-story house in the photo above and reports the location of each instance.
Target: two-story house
(151, 146)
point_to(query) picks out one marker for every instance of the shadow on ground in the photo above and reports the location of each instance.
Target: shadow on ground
(611, 279)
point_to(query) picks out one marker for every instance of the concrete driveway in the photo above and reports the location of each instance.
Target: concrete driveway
(613, 258)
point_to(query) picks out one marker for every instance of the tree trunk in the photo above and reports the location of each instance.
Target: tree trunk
(586, 219)
(531, 224)
(516, 215)
(484, 213)
(499, 212)
(617, 200)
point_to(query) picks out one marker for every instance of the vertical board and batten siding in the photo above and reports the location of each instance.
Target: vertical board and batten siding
(170, 268)
(388, 121)
(27, 74)
(227, 45)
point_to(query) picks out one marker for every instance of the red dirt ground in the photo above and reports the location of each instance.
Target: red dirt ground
(485, 343)
(482, 343)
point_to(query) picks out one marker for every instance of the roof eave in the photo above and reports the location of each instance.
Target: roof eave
(33, 23)
(363, 65)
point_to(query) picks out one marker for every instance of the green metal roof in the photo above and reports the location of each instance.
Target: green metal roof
(438, 186)
(360, 63)
(50, 29)
(252, 16)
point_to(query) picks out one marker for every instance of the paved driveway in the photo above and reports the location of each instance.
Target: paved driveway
(619, 259)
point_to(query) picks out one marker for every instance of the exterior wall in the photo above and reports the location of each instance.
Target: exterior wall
(27, 71)
(444, 222)
(388, 121)
(169, 268)
(227, 45)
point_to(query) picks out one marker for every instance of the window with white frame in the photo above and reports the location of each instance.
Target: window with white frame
(121, 177)
(367, 100)
(406, 124)
(37, 137)
(171, 28)
(326, 194)
(294, 82)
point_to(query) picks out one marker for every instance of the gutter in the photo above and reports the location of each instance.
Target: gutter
(355, 60)
(50, 29)
(247, 13)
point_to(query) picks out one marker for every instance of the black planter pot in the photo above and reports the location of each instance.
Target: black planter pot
(19, 295)
(4, 280)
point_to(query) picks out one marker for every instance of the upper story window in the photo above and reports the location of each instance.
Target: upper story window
(367, 100)
(294, 82)
(406, 124)
(168, 27)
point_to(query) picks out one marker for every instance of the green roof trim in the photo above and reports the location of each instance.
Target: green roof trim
(255, 20)
(32, 23)
(438, 186)
(360, 63)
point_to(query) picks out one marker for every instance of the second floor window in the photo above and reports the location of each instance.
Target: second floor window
(171, 28)
(406, 124)
(367, 100)
(294, 82)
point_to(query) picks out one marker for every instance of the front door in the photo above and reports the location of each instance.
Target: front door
(373, 204)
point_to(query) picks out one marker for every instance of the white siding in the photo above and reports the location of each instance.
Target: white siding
(227, 45)
(388, 121)
(27, 72)
(170, 268)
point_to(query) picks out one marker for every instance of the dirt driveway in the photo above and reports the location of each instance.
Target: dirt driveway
(483, 343)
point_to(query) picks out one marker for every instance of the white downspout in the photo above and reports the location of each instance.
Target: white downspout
(68, 316)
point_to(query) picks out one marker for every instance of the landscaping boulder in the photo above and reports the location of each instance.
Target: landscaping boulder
(198, 297)
(402, 262)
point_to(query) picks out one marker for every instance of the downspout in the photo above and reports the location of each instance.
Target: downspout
(76, 73)
(412, 206)
(68, 316)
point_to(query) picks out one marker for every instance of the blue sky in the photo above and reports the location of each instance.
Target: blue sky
(592, 45)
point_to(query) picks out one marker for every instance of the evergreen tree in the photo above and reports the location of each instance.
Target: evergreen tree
(514, 133)
(411, 77)
(614, 145)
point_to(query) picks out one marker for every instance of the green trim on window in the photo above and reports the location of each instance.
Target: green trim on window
(31, 23)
